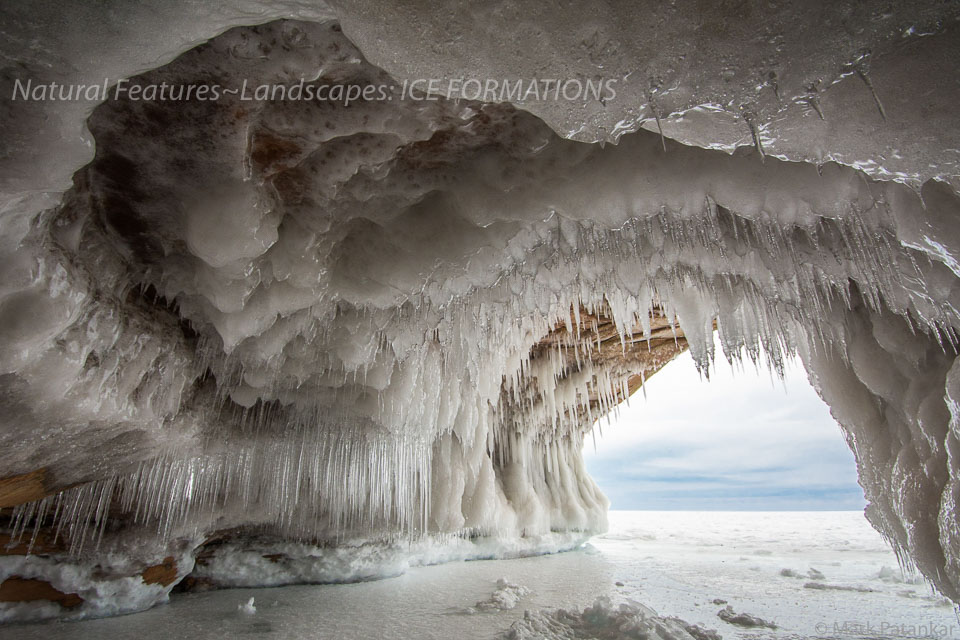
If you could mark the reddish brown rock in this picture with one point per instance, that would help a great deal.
(25, 487)
(43, 543)
(595, 338)
(163, 574)
(17, 589)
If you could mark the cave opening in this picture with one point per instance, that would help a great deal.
(740, 489)
(743, 438)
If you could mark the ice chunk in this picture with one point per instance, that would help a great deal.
(248, 607)
(729, 616)
(506, 596)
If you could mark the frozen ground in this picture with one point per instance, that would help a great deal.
(763, 564)
(678, 563)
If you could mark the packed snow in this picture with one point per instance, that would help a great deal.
(601, 620)
(506, 596)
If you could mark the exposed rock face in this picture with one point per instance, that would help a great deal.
(588, 343)
(164, 573)
(306, 322)
(17, 589)
(22, 488)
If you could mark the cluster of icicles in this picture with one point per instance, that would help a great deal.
(334, 339)
(321, 477)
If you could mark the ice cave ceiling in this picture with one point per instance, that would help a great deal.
(240, 323)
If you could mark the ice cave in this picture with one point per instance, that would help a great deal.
(249, 338)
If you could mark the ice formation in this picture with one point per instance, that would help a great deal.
(507, 595)
(277, 322)
(248, 607)
(728, 615)
(604, 620)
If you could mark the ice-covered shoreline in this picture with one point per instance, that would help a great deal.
(256, 563)
(682, 565)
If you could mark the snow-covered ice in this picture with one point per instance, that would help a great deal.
(677, 571)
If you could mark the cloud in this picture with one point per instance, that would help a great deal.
(743, 440)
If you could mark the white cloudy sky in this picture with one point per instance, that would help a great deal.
(742, 441)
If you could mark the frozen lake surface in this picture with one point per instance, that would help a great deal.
(814, 574)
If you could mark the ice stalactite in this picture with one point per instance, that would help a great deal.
(292, 329)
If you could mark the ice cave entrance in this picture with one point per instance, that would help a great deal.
(744, 440)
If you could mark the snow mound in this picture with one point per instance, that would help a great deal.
(604, 621)
(269, 563)
(506, 596)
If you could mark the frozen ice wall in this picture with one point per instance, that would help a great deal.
(296, 330)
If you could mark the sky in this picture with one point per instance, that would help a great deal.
(743, 440)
